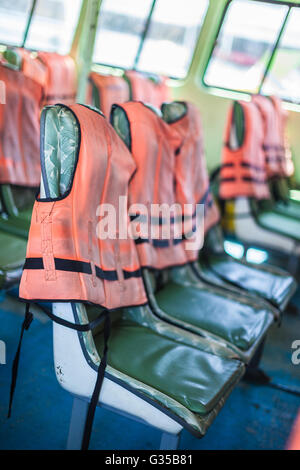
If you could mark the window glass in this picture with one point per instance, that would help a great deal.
(53, 25)
(120, 27)
(170, 40)
(172, 35)
(244, 45)
(283, 78)
(13, 20)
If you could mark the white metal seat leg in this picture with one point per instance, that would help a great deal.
(169, 441)
(77, 423)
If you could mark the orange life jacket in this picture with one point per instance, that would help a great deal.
(61, 81)
(32, 67)
(192, 180)
(243, 171)
(145, 90)
(274, 150)
(162, 91)
(153, 146)
(65, 259)
(282, 117)
(19, 129)
(111, 89)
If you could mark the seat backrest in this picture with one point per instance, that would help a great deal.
(76, 251)
(61, 81)
(30, 65)
(105, 90)
(153, 145)
(19, 128)
(191, 175)
(243, 168)
(147, 90)
(56, 73)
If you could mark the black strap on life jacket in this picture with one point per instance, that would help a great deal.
(95, 397)
(25, 325)
(101, 369)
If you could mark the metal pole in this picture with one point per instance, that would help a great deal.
(144, 34)
(33, 5)
(274, 50)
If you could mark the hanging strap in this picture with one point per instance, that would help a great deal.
(100, 376)
(25, 325)
(95, 397)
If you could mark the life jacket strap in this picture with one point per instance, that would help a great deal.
(80, 267)
(101, 370)
(96, 393)
(25, 325)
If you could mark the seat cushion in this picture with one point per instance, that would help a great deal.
(16, 226)
(290, 209)
(271, 283)
(239, 323)
(194, 378)
(280, 223)
(25, 214)
(12, 252)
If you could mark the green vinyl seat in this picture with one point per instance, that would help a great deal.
(194, 378)
(281, 202)
(289, 208)
(279, 223)
(269, 282)
(263, 281)
(240, 323)
(12, 256)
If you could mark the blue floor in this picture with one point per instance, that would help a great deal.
(254, 417)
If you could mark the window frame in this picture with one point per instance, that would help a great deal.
(26, 29)
(30, 16)
(273, 51)
(143, 37)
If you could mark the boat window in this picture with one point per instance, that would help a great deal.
(283, 78)
(13, 21)
(152, 36)
(51, 27)
(245, 45)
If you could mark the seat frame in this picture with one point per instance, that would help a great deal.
(80, 406)
(249, 231)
